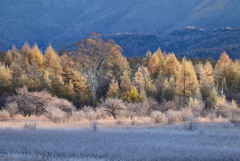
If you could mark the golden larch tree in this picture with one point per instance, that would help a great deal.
(113, 90)
(37, 56)
(187, 82)
(171, 66)
(5, 78)
(155, 64)
(221, 69)
(51, 61)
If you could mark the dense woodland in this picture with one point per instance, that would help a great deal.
(97, 73)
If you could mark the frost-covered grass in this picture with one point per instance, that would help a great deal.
(217, 141)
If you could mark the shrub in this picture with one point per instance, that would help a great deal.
(77, 115)
(55, 114)
(224, 108)
(30, 102)
(167, 105)
(4, 115)
(196, 106)
(113, 107)
(141, 109)
(100, 113)
(63, 105)
(158, 117)
(12, 108)
(185, 115)
(148, 106)
(89, 113)
(132, 110)
(30, 125)
(173, 116)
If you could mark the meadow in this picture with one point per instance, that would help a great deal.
(38, 139)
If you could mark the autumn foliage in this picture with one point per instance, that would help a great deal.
(33, 82)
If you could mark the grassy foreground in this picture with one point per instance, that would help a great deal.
(111, 140)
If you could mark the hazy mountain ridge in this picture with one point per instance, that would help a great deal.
(190, 42)
(62, 22)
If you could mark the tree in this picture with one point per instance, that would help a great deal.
(113, 106)
(31, 102)
(171, 66)
(5, 78)
(92, 55)
(51, 61)
(206, 79)
(126, 83)
(132, 95)
(169, 90)
(143, 81)
(231, 74)
(27, 52)
(147, 58)
(113, 91)
(8, 58)
(187, 82)
(34, 74)
(221, 68)
(155, 64)
(37, 56)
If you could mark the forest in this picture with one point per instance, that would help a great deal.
(97, 77)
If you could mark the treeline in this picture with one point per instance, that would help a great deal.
(97, 70)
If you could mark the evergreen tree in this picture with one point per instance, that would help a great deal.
(113, 91)
(126, 83)
(187, 82)
(171, 66)
(37, 56)
(5, 79)
(143, 81)
(155, 64)
(132, 95)
(221, 69)
(51, 61)
(8, 58)
(147, 58)
(169, 90)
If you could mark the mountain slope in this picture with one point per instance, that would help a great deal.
(62, 22)
(190, 42)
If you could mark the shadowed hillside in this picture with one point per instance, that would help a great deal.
(62, 22)
(190, 42)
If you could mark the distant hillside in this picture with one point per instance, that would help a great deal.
(62, 22)
(190, 42)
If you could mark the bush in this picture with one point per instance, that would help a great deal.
(141, 109)
(90, 114)
(4, 115)
(113, 107)
(12, 108)
(167, 105)
(185, 115)
(226, 109)
(30, 102)
(196, 106)
(132, 110)
(63, 105)
(173, 116)
(30, 126)
(147, 106)
(158, 117)
(55, 114)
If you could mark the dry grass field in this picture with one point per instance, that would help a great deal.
(39, 139)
